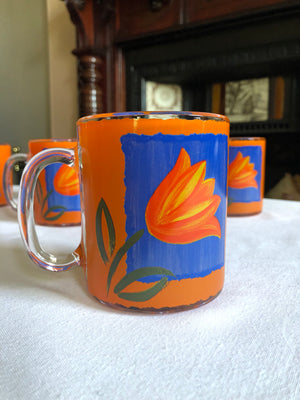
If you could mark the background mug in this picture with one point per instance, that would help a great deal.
(57, 197)
(5, 152)
(153, 199)
(246, 175)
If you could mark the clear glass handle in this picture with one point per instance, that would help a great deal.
(7, 178)
(30, 175)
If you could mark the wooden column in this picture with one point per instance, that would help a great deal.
(90, 84)
(92, 19)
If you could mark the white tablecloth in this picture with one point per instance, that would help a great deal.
(58, 342)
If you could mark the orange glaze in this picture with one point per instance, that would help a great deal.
(42, 211)
(239, 208)
(5, 151)
(102, 176)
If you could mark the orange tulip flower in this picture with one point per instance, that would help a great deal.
(66, 181)
(241, 173)
(182, 208)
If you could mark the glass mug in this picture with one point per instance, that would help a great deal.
(5, 152)
(57, 195)
(246, 175)
(154, 203)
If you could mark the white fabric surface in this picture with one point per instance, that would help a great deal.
(58, 342)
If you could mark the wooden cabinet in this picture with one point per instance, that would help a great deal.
(208, 10)
(144, 17)
(196, 43)
(134, 18)
(107, 29)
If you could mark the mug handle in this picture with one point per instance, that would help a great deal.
(30, 175)
(7, 173)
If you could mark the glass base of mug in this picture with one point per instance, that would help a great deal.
(164, 310)
(54, 225)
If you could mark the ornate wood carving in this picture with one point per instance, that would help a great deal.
(90, 80)
(194, 43)
(90, 18)
(256, 48)
(269, 54)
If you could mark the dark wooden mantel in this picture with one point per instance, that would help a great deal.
(107, 28)
(123, 43)
(94, 22)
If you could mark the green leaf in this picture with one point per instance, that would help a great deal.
(103, 209)
(121, 252)
(140, 273)
(230, 200)
(58, 209)
(145, 294)
(46, 198)
(39, 191)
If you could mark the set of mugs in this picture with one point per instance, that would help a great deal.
(57, 194)
(152, 191)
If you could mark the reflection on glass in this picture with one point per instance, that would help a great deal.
(163, 97)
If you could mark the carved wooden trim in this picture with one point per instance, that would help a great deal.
(268, 54)
(90, 79)
(91, 51)
(75, 10)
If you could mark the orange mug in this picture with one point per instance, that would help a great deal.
(246, 175)
(5, 151)
(154, 204)
(57, 197)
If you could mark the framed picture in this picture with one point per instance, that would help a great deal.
(163, 97)
(251, 100)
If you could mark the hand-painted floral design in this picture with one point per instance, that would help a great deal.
(108, 255)
(66, 181)
(182, 208)
(49, 214)
(241, 173)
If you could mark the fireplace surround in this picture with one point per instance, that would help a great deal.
(123, 44)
